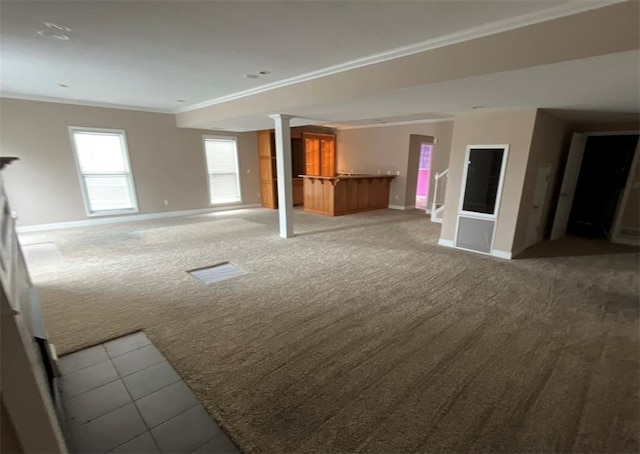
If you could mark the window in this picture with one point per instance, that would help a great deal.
(484, 168)
(105, 172)
(222, 168)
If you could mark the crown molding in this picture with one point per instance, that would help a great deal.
(492, 28)
(396, 123)
(78, 102)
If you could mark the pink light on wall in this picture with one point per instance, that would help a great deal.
(424, 172)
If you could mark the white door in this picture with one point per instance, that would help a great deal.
(535, 230)
(569, 181)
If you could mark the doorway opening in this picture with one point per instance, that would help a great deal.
(603, 174)
(593, 190)
(424, 175)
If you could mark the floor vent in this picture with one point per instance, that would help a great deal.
(216, 273)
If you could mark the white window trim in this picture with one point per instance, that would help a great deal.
(471, 214)
(206, 163)
(503, 169)
(85, 194)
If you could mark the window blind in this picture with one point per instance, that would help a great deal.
(104, 169)
(222, 169)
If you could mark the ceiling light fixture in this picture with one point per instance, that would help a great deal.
(180, 100)
(477, 107)
(250, 76)
(264, 72)
(53, 35)
(63, 85)
(60, 28)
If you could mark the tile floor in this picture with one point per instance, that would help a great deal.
(124, 397)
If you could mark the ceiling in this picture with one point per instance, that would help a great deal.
(147, 55)
(596, 89)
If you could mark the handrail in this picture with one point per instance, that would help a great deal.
(437, 189)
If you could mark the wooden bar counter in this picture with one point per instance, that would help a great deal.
(346, 194)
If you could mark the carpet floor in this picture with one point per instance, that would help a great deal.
(361, 334)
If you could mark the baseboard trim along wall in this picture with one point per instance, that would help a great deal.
(502, 254)
(134, 217)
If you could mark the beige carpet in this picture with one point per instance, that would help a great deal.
(363, 335)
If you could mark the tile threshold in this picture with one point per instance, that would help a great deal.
(105, 431)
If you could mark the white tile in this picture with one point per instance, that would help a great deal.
(137, 360)
(186, 432)
(81, 359)
(97, 402)
(150, 379)
(142, 444)
(219, 445)
(108, 431)
(126, 344)
(88, 378)
(166, 403)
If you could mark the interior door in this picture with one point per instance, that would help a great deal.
(535, 231)
(569, 181)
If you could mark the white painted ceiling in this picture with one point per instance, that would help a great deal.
(148, 54)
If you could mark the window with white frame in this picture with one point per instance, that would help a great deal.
(105, 171)
(222, 169)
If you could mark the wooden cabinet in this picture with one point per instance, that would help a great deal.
(267, 157)
(312, 153)
(298, 192)
(320, 154)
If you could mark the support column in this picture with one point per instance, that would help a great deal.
(283, 171)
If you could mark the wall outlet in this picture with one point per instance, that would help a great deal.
(396, 197)
(248, 170)
(259, 195)
(388, 172)
(397, 172)
(166, 202)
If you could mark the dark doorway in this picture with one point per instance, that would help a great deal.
(603, 176)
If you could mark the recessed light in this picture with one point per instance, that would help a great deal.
(264, 72)
(63, 85)
(60, 28)
(180, 100)
(53, 35)
(250, 76)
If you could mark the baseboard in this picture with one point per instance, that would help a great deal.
(502, 254)
(627, 241)
(446, 243)
(520, 250)
(134, 217)
(397, 207)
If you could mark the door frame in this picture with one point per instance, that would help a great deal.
(614, 237)
(562, 217)
(625, 195)
(429, 186)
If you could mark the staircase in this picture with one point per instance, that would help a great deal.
(439, 191)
